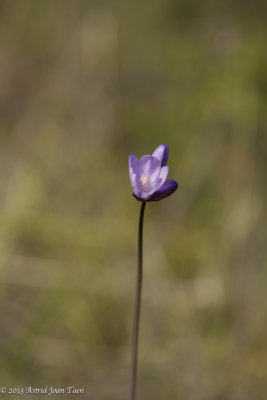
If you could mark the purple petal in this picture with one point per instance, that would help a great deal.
(138, 197)
(150, 166)
(161, 179)
(141, 196)
(161, 153)
(163, 174)
(145, 191)
(133, 169)
(165, 190)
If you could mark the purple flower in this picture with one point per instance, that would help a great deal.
(148, 175)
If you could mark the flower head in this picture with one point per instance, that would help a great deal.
(148, 175)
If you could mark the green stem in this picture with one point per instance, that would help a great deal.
(137, 304)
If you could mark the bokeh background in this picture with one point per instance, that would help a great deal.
(82, 85)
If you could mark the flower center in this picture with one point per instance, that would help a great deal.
(145, 180)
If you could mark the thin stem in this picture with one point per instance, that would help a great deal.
(137, 304)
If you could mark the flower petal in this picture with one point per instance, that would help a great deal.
(133, 169)
(161, 153)
(162, 176)
(150, 166)
(165, 190)
(141, 196)
(147, 192)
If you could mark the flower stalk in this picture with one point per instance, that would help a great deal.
(137, 306)
(148, 177)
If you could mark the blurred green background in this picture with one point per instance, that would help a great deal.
(83, 85)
